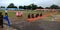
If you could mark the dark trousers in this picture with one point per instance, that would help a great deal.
(1, 23)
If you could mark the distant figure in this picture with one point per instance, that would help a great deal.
(1, 20)
(37, 15)
(29, 16)
(19, 14)
(32, 15)
(40, 14)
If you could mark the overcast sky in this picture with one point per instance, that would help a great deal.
(43, 3)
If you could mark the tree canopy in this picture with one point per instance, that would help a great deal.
(2, 7)
(47, 7)
(40, 7)
(54, 7)
(11, 6)
(21, 7)
(32, 6)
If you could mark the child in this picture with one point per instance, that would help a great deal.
(32, 15)
(37, 15)
(40, 14)
(29, 16)
(7, 19)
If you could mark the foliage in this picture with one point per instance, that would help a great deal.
(11, 6)
(2, 7)
(54, 7)
(21, 7)
(40, 7)
(32, 7)
(47, 7)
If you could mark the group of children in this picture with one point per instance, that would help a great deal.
(5, 18)
(32, 15)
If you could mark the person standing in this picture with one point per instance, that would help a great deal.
(37, 15)
(1, 20)
(32, 15)
(6, 17)
(40, 14)
(29, 15)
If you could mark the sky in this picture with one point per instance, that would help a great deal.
(43, 3)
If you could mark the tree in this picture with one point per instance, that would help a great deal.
(40, 7)
(2, 7)
(33, 6)
(59, 7)
(24, 7)
(11, 6)
(29, 7)
(21, 7)
(54, 7)
(47, 8)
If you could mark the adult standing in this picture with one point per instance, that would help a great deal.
(1, 20)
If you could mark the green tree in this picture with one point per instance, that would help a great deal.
(24, 7)
(33, 6)
(59, 7)
(28, 7)
(40, 7)
(54, 7)
(2, 7)
(47, 7)
(11, 6)
(21, 7)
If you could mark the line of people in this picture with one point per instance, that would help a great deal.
(34, 16)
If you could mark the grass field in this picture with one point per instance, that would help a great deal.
(26, 12)
(12, 14)
(17, 20)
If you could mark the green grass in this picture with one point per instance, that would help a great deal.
(26, 12)
(11, 14)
